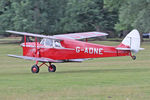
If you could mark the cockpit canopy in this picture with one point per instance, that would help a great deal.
(50, 43)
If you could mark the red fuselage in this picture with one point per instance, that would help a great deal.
(72, 49)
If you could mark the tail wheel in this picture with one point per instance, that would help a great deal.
(133, 57)
(35, 69)
(52, 68)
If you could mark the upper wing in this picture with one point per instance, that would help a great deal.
(31, 34)
(37, 59)
(81, 35)
(60, 37)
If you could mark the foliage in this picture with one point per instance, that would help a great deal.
(62, 16)
(31, 16)
(87, 15)
(56, 16)
(7, 13)
(135, 14)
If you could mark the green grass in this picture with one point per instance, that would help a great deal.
(117, 78)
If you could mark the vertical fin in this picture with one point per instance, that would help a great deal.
(132, 41)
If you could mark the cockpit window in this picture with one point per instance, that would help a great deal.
(50, 43)
(57, 44)
(42, 42)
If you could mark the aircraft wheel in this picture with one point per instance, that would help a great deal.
(52, 68)
(35, 69)
(133, 57)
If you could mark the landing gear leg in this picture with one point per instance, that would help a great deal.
(35, 68)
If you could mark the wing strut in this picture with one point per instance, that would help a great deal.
(25, 40)
(36, 49)
(86, 39)
(37, 53)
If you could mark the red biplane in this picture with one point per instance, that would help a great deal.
(67, 48)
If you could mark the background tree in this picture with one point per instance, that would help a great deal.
(134, 14)
(63, 16)
(6, 14)
(87, 15)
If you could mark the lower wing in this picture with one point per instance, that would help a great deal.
(37, 59)
(46, 59)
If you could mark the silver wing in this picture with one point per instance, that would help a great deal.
(59, 37)
(31, 34)
(37, 59)
(47, 59)
(81, 35)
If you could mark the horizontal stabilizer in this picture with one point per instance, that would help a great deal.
(37, 59)
(128, 49)
(123, 48)
(141, 49)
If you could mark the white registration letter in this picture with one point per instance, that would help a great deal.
(95, 50)
(86, 50)
(77, 49)
(100, 51)
(90, 50)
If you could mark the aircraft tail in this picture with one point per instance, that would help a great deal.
(131, 42)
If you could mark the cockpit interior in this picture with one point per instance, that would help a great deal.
(50, 43)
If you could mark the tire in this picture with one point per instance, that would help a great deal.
(134, 57)
(35, 69)
(52, 68)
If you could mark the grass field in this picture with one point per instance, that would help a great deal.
(117, 78)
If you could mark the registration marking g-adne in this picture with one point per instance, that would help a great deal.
(89, 50)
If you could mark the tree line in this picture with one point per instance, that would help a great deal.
(65, 16)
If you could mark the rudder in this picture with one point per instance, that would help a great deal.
(131, 42)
